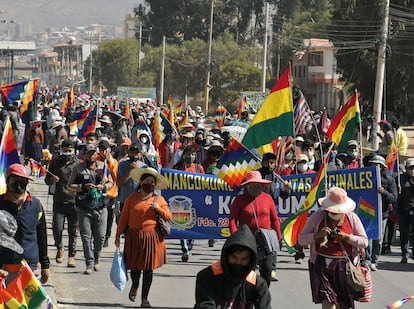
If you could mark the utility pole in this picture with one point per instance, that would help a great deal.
(379, 81)
(162, 72)
(264, 62)
(210, 39)
(90, 66)
(139, 47)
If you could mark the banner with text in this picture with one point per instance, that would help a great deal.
(200, 203)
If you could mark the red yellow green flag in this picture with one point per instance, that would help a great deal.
(274, 118)
(391, 159)
(294, 224)
(344, 124)
(24, 291)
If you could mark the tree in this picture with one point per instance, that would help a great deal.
(115, 63)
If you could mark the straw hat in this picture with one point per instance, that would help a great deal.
(337, 201)
(137, 172)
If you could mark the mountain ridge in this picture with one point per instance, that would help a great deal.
(56, 14)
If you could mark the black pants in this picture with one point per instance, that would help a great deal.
(110, 218)
(265, 267)
(60, 212)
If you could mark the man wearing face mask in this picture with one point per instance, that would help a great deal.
(405, 208)
(64, 204)
(187, 163)
(232, 282)
(166, 150)
(90, 184)
(388, 192)
(29, 214)
(352, 158)
(256, 209)
(214, 152)
(309, 150)
(302, 167)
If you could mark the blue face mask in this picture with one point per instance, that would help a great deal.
(333, 156)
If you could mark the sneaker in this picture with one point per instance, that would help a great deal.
(71, 262)
(374, 267)
(145, 304)
(60, 255)
(106, 244)
(185, 257)
(97, 265)
(273, 276)
(299, 261)
(88, 270)
(404, 260)
(211, 242)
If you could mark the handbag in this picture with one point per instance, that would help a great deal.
(163, 225)
(365, 295)
(354, 276)
(266, 239)
(118, 273)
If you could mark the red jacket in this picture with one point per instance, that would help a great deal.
(241, 212)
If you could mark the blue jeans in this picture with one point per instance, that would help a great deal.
(186, 245)
(405, 222)
(92, 226)
(374, 247)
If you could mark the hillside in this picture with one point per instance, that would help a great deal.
(43, 14)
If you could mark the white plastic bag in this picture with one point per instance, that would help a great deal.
(118, 272)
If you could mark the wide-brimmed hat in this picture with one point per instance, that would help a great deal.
(377, 159)
(337, 201)
(105, 119)
(18, 170)
(137, 172)
(215, 143)
(8, 228)
(255, 177)
(56, 124)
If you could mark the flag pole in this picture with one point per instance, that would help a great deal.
(361, 157)
(397, 162)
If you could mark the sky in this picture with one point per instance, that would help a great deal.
(42, 14)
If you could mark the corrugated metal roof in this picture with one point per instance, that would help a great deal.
(14, 45)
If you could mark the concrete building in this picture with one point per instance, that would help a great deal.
(314, 70)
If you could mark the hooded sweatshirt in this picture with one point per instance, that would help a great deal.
(216, 286)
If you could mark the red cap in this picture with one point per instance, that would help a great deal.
(126, 141)
(383, 121)
(18, 170)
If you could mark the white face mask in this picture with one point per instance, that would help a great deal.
(303, 167)
(335, 217)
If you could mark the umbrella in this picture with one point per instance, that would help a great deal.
(115, 117)
(84, 96)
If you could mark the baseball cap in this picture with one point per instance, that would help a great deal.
(126, 141)
(409, 162)
(18, 170)
(352, 142)
(136, 146)
(104, 144)
(8, 228)
(68, 143)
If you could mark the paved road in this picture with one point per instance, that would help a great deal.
(173, 285)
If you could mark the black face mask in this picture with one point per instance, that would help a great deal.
(148, 187)
(254, 190)
(215, 153)
(189, 159)
(238, 271)
(199, 141)
(18, 187)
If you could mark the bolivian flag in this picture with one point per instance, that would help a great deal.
(294, 224)
(24, 291)
(274, 118)
(344, 123)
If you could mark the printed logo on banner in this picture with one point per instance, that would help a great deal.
(183, 214)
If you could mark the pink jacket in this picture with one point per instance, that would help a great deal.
(358, 239)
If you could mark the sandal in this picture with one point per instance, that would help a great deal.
(145, 304)
(132, 293)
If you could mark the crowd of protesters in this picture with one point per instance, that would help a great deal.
(90, 177)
